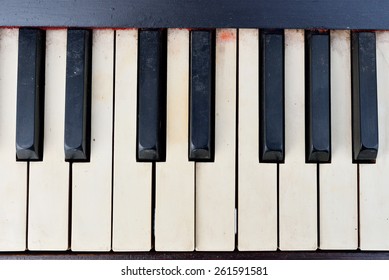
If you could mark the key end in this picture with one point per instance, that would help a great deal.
(76, 154)
(319, 157)
(268, 155)
(200, 155)
(28, 153)
(148, 155)
(366, 155)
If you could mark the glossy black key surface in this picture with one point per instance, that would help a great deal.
(202, 96)
(317, 97)
(271, 97)
(364, 97)
(151, 126)
(30, 94)
(78, 91)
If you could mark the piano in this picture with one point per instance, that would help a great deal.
(199, 129)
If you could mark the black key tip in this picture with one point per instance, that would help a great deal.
(366, 155)
(317, 156)
(75, 154)
(27, 153)
(148, 155)
(271, 156)
(200, 155)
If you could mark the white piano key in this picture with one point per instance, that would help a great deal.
(174, 204)
(91, 186)
(338, 180)
(49, 179)
(257, 191)
(13, 186)
(297, 180)
(215, 182)
(374, 178)
(132, 180)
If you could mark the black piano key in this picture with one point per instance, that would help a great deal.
(78, 92)
(364, 97)
(271, 97)
(202, 96)
(30, 94)
(151, 126)
(317, 97)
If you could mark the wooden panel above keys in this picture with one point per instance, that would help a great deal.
(283, 14)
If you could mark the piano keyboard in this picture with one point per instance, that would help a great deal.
(183, 140)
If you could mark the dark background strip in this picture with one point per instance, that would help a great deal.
(236, 255)
(306, 14)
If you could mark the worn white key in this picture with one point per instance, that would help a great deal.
(374, 178)
(297, 180)
(132, 180)
(257, 192)
(338, 180)
(49, 179)
(215, 182)
(13, 186)
(91, 186)
(174, 204)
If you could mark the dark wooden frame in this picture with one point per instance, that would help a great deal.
(235, 255)
(306, 14)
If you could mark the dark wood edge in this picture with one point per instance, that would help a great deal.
(236, 255)
(306, 14)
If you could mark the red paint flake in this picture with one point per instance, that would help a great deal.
(322, 31)
(54, 28)
(227, 36)
(9, 27)
(319, 30)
